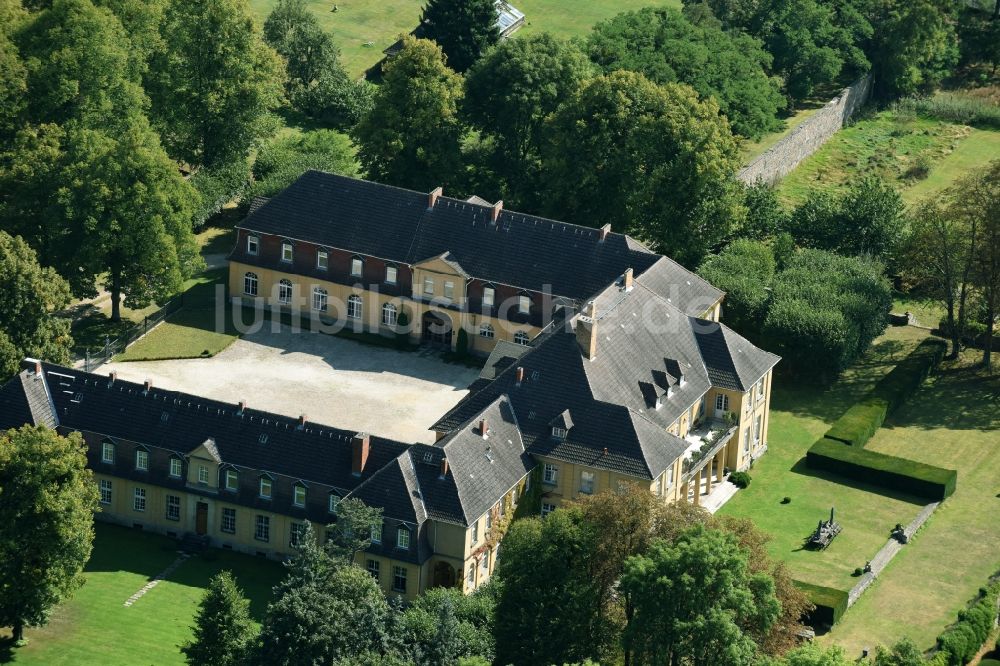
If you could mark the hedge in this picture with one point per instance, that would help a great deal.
(860, 422)
(831, 603)
(903, 380)
(900, 474)
(961, 641)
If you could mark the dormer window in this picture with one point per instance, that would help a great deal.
(521, 338)
(142, 460)
(403, 538)
(524, 304)
(253, 245)
(322, 260)
(176, 467)
(390, 274)
(429, 286)
(376, 533)
(449, 289)
(558, 433)
(357, 266)
(299, 495)
(232, 480)
(265, 487)
(202, 474)
(108, 453)
(334, 502)
(286, 251)
(489, 294)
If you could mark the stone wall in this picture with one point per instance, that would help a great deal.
(806, 139)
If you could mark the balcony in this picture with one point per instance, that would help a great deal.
(704, 442)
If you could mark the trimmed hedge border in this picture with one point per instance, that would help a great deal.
(960, 642)
(831, 603)
(909, 476)
(860, 422)
(902, 381)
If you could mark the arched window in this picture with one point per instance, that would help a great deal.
(319, 299)
(285, 291)
(389, 314)
(357, 266)
(521, 338)
(354, 307)
(486, 331)
(250, 284)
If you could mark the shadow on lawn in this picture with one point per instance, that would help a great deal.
(958, 398)
(802, 468)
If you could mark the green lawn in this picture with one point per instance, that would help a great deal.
(928, 311)
(357, 23)
(953, 421)
(94, 627)
(895, 146)
(799, 415)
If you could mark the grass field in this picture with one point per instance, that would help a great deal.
(94, 626)
(358, 23)
(799, 415)
(917, 154)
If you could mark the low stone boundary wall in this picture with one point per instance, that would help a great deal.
(806, 139)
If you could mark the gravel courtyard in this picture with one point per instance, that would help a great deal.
(333, 381)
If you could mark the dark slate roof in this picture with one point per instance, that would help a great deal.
(503, 355)
(648, 353)
(683, 289)
(24, 399)
(182, 422)
(396, 490)
(522, 250)
(256, 203)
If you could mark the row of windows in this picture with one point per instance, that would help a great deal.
(322, 259)
(550, 475)
(398, 575)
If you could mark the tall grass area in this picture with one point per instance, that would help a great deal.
(956, 107)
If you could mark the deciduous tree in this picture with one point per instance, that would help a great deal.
(979, 196)
(411, 137)
(47, 503)
(351, 533)
(29, 297)
(665, 47)
(215, 83)
(745, 271)
(464, 29)
(614, 148)
(224, 631)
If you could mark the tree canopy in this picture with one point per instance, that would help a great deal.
(745, 271)
(47, 500)
(464, 29)
(621, 141)
(215, 83)
(664, 46)
(411, 138)
(224, 631)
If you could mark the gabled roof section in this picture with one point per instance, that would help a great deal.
(394, 488)
(732, 361)
(449, 260)
(211, 451)
(504, 355)
(25, 400)
(680, 287)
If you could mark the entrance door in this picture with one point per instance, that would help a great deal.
(201, 519)
(721, 405)
(436, 330)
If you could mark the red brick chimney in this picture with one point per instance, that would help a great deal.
(444, 468)
(497, 207)
(38, 368)
(484, 428)
(605, 230)
(519, 375)
(627, 280)
(359, 449)
(432, 197)
(586, 332)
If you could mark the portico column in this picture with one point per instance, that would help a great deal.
(708, 476)
(720, 464)
(697, 487)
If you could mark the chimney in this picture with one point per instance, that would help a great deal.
(627, 280)
(519, 375)
(586, 332)
(112, 377)
(432, 197)
(243, 406)
(359, 445)
(484, 428)
(444, 468)
(38, 368)
(497, 207)
(302, 421)
(605, 450)
(149, 386)
(605, 230)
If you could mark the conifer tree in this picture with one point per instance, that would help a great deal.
(464, 29)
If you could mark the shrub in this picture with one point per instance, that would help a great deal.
(858, 571)
(744, 270)
(897, 473)
(956, 107)
(860, 422)
(462, 343)
(831, 603)
(786, 500)
(962, 640)
(740, 479)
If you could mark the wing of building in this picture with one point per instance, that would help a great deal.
(606, 365)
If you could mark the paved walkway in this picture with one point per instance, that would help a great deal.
(153, 583)
(721, 493)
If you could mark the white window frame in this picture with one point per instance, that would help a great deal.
(389, 314)
(299, 492)
(402, 538)
(287, 252)
(284, 291)
(760, 389)
(746, 440)
(391, 274)
(357, 266)
(522, 338)
(142, 460)
(374, 569)
(295, 533)
(202, 474)
(108, 453)
(399, 573)
(228, 519)
(319, 299)
(106, 489)
(758, 427)
(587, 482)
(262, 528)
(559, 433)
(333, 503)
(176, 467)
(489, 296)
(547, 508)
(173, 502)
(355, 306)
(670, 476)
(449, 290)
(550, 474)
(487, 331)
(265, 482)
(471, 576)
(376, 533)
(429, 286)
(474, 532)
(722, 402)
(235, 476)
(253, 245)
(138, 499)
(523, 303)
(250, 283)
(322, 260)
